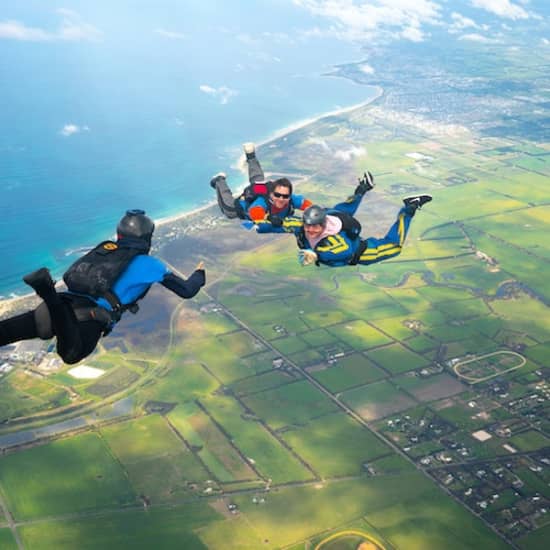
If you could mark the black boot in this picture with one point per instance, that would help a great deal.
(219, 176)
(415, 203)
(42, 282)
(366, 183)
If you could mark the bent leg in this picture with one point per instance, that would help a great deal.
(350, 205)
(20, 327)
(390, 246)
(226, 202)
(72, 351)
(75, 339)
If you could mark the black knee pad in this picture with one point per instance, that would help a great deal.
(43, 322)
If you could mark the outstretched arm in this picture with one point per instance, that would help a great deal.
(185, 288)
(290, 224)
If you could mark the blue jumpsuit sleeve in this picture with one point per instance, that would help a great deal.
(291, 224)
(297, 201)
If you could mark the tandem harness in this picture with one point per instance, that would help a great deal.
(253, 191)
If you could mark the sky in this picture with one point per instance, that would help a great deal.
(184, 39)
(77, 21)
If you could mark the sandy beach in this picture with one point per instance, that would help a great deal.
(12, 304)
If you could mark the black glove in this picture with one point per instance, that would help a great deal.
(276, 221)
(366, 183)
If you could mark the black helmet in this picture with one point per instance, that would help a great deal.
(315, 215)
(136, 225)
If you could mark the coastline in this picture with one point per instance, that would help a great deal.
(10, 303)
(279, 134)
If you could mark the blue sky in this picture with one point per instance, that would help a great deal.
(289, 20)
(208, 44)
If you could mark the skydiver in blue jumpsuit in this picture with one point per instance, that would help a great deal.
(79, 319)
(329, 238)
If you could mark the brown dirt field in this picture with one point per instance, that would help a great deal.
(444, 386)
(373, 412)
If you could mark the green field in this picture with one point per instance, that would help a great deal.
(254, 384)
(221, 362)
(255, 442)
(22, 394)
(294, 403)
(182, 382)
(352, 370)
(529, 441)
(158, 463)
(65, 476)
(155, 528)
(316, 442)
(359, 335)
(7, 542)
(210, 444)
(397, 359)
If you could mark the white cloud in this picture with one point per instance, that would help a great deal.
(502, 8)
(17, 31)
(359, 19)
(348, 154)
(366, 68)
(173, 35)
(545, 41)
(223, 93)
(475, 37)
(461, 22)
(70, 129)
(72, 28)
(414, 34)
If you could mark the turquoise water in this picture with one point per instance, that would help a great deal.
(152, 117)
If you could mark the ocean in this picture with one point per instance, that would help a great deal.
(143, 116)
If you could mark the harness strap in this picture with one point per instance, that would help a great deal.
(118, 308)
(113, 300)
(360, 249)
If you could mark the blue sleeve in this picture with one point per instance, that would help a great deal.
(156, 269)
(297, 201)
(136, 280)
(291, 224)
